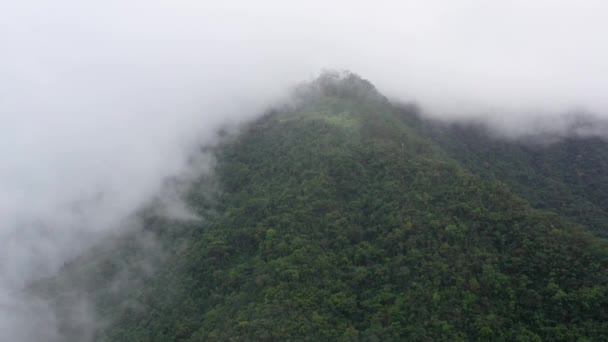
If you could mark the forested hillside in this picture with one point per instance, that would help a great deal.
(347, 218)
(567, 175)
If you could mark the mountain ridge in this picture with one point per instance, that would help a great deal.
(345, 218)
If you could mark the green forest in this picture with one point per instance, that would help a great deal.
(344, 217)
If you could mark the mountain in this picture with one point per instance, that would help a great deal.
(566, 175)
(347, 217)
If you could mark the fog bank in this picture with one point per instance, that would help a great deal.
(100, 102)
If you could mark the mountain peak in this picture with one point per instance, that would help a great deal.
(340, 84)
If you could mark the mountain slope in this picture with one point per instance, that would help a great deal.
(341, 220)
(567, 176)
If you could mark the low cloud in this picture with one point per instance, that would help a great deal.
(101, 102)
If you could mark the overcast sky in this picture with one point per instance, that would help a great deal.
(100, 101)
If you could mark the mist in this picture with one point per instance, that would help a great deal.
(101, 102)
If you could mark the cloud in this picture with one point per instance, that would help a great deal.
(102, 101)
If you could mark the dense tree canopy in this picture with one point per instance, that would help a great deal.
(567, 176)
(345, 219)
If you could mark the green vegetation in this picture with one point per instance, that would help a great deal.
(567, 176)
(340, 219)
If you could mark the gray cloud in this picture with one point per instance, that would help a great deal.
(101, 101)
